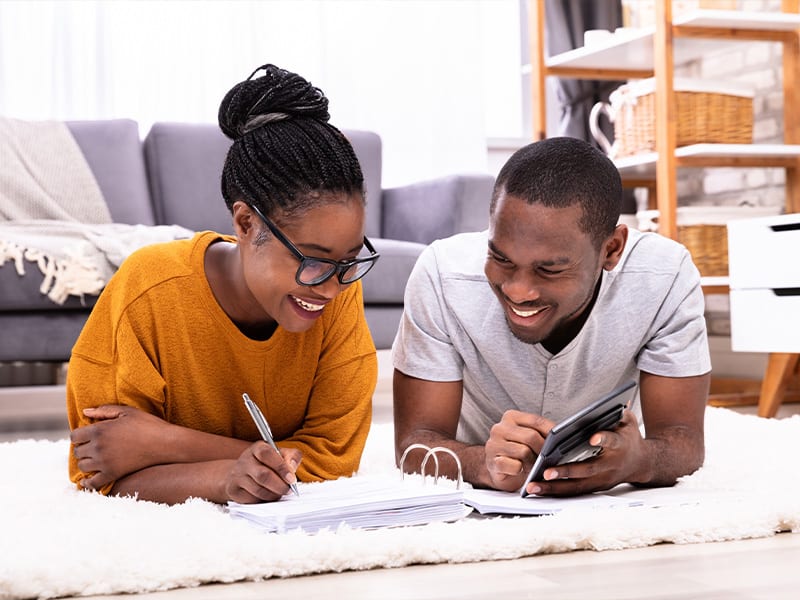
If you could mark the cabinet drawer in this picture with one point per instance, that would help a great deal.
(765, 320)
(763, 252)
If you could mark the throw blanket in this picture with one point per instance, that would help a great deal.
(44, 175)
(52, 212)
(76, 258)
(57, 541)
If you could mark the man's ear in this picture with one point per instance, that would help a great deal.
(614, 246)
(243, 220)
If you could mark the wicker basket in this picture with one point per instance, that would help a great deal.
(704, 232)
(707, 112)
(708, 245)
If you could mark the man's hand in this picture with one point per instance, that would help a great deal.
(512, 447)
(261, 474)
(121, 440)
(622, 451)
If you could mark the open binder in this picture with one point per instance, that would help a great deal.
(494, 502)
(369, 501)
(397, 500)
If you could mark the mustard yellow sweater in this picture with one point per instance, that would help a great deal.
(157, 340)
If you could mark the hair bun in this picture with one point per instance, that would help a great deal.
(276, 95)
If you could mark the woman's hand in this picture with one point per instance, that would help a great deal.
(261, 474)
(120, 441)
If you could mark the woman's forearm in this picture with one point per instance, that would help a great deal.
(176, 483)
(184, 445)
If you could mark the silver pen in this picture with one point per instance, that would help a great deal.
(263, 429)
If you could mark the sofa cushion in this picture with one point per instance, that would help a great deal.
(448, 205)
(21, 293)
(113, 150)
(368, 148)
(39, 336)
(184, 166)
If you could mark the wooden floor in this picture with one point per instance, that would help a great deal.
(766, 568)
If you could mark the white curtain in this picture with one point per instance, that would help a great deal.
(434, 78)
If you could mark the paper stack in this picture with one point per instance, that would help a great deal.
(358, 502)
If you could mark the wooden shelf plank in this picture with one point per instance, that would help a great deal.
(739, 19)
(627, 52)
(643, 166)
(631, 52)
(715, 282)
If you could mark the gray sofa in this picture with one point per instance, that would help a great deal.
(172, 177)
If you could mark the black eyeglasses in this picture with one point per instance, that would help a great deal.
(315, 271)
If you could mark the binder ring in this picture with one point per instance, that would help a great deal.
(431, 453)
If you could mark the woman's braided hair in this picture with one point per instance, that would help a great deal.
(285, 157)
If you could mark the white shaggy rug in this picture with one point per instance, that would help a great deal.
(56, 541)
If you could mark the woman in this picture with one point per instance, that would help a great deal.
(184, 329)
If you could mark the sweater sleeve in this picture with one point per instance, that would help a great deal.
(110, 366)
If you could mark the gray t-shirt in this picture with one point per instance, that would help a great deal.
(648, 317)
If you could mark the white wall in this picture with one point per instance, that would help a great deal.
(434, 77)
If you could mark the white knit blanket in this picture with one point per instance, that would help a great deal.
(57, 541)
(44, 175)
(76, 258)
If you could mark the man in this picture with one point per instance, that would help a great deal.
(508, 331)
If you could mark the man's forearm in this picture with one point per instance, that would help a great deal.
(675, 452)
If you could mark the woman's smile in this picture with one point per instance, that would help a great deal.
(306, 309)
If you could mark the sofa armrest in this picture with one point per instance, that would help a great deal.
(430, 210)
(385, 286)
(386, 282)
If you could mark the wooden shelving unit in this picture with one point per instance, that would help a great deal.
(655, 52)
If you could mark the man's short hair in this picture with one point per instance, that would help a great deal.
(560, 172)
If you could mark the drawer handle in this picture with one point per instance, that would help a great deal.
(785, 227)
(793, 291)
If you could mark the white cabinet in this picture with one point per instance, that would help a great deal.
(764, 268)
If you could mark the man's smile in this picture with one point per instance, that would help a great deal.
(525, 313)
